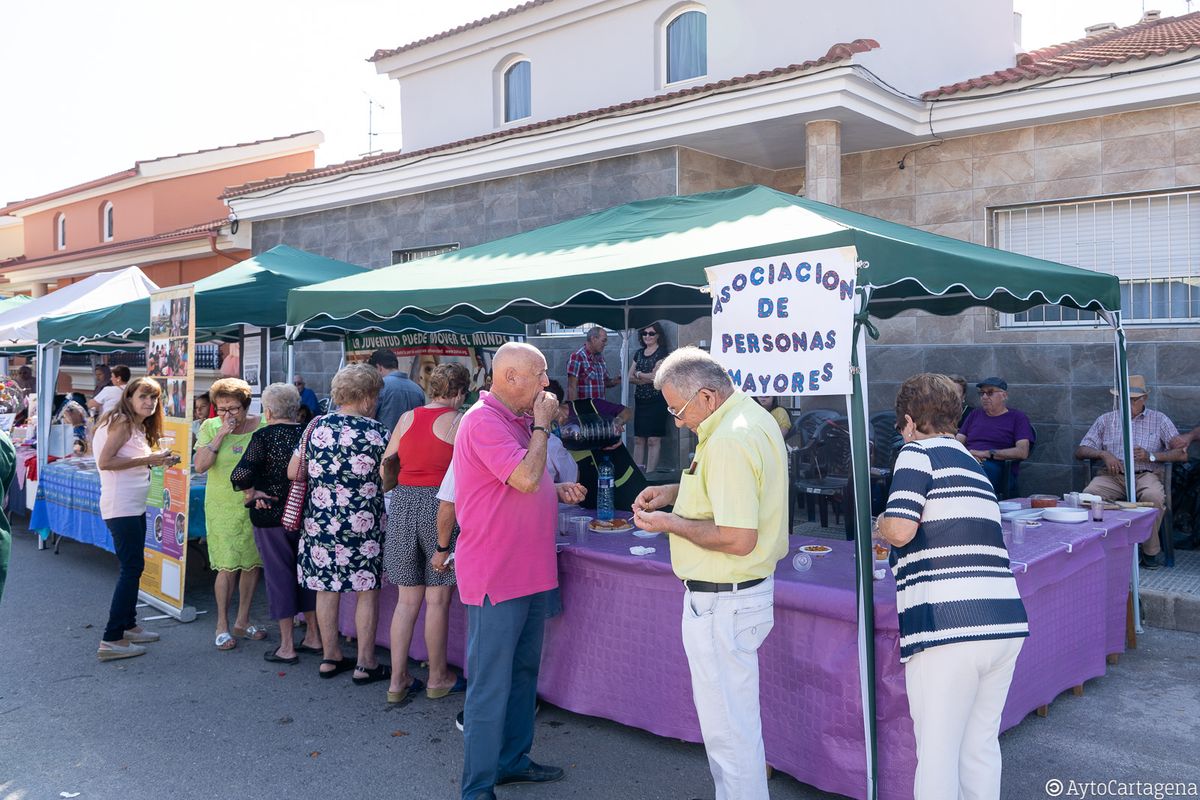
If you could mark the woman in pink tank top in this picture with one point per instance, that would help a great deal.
(423, 442)
(123, 441)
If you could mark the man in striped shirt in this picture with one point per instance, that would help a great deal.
(962, 621)
(1152, 446)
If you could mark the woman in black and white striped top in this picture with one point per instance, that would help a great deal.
(962, 621)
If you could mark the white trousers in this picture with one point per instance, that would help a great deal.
(956, 693)
(722, 632)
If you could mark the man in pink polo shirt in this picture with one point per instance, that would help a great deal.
(507, 507)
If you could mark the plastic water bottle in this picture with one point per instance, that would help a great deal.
(604, 489)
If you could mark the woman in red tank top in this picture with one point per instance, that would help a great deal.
(424, 443)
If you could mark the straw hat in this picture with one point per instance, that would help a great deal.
(1137, 387)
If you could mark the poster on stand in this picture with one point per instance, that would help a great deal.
(419, 352)
(256, 365)
(170, 361)
(783, 325)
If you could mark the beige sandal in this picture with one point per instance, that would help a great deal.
(251, 632)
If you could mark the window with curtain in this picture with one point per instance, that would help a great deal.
(1151, 242)
(517, 103)
(687, 46)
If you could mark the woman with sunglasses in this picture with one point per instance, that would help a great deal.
(231, 549)
(650, 409)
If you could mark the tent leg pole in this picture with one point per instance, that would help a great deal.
(865, 559)
(625, 371)
(1122, 370)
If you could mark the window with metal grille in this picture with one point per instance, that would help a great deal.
(1151, 242)
(413, 253)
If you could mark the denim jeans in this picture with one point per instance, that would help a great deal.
(129, 540)
(504, 652)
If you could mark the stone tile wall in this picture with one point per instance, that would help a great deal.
(1060, 377)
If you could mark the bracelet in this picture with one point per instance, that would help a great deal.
(541, 428)
(441, 549)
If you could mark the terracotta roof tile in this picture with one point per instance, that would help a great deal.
(197, 231)
(1156, 37)
(839, 52)
(382, 54)
(133, 171)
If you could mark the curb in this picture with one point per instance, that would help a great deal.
(1171, 610)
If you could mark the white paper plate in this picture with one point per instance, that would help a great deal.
(641, 534)
(1009, 505)
(1024, 513)
(1066, 515)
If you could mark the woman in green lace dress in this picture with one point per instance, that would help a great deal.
(231, 549)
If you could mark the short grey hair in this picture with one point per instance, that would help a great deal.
(690, 369)
(281, 401)
(594, 333)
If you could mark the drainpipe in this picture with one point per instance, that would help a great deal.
(212, 245)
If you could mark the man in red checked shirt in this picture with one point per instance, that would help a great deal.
(587, 374)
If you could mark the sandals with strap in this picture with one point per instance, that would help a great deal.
(224, 641)
(338, 667)
(380, 672)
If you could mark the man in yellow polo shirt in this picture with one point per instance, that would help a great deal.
(727, 531)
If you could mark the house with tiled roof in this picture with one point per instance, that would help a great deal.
(1085, 152)
(163, 215)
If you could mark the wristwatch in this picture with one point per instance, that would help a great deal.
(441, 549)
(1153, 458)
(991, 455)
(541, 428)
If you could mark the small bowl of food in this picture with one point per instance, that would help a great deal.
(1043, 501)
(816, 550)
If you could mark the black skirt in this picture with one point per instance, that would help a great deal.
(650, 416)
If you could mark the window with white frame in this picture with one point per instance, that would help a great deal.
(516, 88)
(686, 47)
(106, 222)
(60, 232)
(1151, 242)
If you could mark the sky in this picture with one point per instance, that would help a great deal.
(92, 87)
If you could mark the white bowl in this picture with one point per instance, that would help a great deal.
(1009, 505)
(1070, 515)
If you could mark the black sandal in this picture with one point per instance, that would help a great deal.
(380, 672)
(338, 667)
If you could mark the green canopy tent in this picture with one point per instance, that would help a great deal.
(251, 292)
(645, 261)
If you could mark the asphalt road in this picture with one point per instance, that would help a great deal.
(186, 721)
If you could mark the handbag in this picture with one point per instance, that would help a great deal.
(293, 507)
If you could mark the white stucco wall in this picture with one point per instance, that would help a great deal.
(588, 54)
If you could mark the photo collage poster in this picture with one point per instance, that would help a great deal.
(170, 359)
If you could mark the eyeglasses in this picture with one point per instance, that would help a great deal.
(679, 414)
(649, 333)
(989, 392)
(229, 410)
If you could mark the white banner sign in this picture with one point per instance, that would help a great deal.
(783, 325)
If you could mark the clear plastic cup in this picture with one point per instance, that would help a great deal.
(802, 562)
(1018, 534)
(579, 529)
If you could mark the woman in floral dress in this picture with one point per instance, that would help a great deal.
(343, 529)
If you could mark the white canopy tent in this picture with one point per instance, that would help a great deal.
(18, 328)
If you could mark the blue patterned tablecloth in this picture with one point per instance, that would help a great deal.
(68, 503)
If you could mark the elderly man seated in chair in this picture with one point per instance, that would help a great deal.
(1152, 446)
(995, 433)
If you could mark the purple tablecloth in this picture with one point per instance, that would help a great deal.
(616, 651)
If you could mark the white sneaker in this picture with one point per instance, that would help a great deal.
(110, 651)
